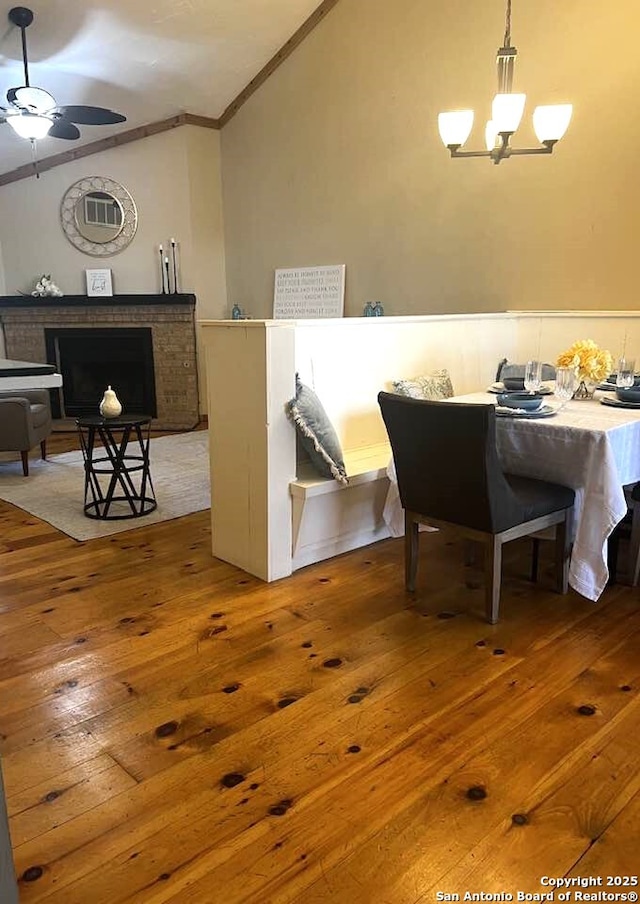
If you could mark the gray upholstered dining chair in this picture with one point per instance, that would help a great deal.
(508, 370)
(449, 474)
(629, 531)
(25, 421)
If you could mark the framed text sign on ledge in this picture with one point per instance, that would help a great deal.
(309, 292)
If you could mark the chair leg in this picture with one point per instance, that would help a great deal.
(25, 463)
(634, 547)
(492, 577)
(535, 557)
(43, 449)
(563, 552)
(410, 551)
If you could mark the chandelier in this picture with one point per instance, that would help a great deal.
(549, 122)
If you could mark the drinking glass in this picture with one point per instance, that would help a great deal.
(533, 376)
(565, 384)
(626, 373)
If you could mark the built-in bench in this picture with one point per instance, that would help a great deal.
(329, 518)
(270, 514)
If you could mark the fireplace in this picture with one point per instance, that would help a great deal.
(152, 365)
(91, 359)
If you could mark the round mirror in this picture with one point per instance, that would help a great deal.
(98, 216)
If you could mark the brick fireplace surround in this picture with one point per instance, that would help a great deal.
(171, 319)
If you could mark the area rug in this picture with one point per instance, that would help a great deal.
(54, 490)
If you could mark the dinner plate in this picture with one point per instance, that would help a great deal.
(616, 403)
(499, 387)
(543, 411)
(606, 386)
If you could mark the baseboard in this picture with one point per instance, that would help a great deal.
(327, 549)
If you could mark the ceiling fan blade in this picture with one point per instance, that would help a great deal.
(62, 129)
(90, 116)
(36, 100)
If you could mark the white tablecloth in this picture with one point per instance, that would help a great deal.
(592, 448)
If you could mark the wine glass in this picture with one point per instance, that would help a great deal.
(565, 384)
(626, 373)
(533, 376)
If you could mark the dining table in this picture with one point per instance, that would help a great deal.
(593, 448)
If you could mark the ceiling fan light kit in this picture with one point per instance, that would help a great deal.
(33, 113)
(550, 122)
(30, 125)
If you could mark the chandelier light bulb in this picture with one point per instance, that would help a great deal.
(455, 127)
(552, 121)
(30, 125)
(490, 135)
(507, 110)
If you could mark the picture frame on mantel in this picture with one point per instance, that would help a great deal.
(99, 283)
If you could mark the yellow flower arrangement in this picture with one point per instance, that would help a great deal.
(590, 362)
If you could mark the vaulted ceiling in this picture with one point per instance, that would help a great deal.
(147, 59)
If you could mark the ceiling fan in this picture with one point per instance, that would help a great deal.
(34, 113)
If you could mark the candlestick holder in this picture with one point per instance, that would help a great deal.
(165, 287)
(175, 268)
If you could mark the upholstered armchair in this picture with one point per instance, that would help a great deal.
(25, 421)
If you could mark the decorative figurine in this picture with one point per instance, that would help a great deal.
(110, 405)
(46, 288)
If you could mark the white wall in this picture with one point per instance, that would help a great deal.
(347, 362)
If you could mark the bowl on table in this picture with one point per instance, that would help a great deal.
(513, 384)
(521, 401)
(632, 394)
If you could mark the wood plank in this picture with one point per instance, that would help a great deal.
(353, 717)
(564, 817)
(388, 792)
(525, 775)
(305, 756)
(615, 851)
(64, 796)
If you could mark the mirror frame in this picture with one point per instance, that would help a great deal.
(69, 223)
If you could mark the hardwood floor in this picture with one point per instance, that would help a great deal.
(174, 730)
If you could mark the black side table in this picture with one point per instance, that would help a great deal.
(117, 478)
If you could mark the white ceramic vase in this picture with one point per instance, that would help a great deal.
(110, 406)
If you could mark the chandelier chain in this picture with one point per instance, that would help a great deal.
(507, 29)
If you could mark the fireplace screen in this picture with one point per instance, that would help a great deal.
(92, 359)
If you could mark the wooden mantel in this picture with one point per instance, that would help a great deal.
(72, 301)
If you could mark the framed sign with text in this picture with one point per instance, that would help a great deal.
(309, 292)
(99, 282)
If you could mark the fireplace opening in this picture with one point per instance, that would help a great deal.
(92, 359)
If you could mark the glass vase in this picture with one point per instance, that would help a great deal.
(585, 390)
